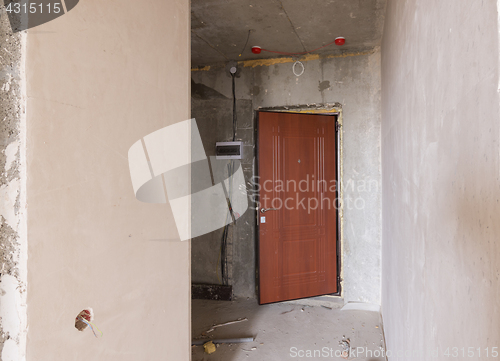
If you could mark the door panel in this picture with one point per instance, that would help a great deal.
(298, 237)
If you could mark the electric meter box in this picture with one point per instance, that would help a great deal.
(228, 150)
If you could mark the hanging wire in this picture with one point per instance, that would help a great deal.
(90, 324)
(234, 108)
(230, 166)
(223, 260)
(246, 43)
(217, 265)
(219, 259)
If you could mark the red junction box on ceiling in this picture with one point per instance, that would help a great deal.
(256, 49)
(340, 40)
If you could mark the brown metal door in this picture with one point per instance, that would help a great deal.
(297, 213)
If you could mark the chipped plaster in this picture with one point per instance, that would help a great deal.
(13, 235)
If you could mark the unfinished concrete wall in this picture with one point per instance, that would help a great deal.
(214, 114)
(354, 82)
(441, 163)
(98, 79)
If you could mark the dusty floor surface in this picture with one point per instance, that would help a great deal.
(286, 331)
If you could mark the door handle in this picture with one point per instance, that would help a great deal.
(264, 210)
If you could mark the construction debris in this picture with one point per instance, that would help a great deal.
(252, 349)
(223, 340)
(346, 346)
(209, 347)
(225, 324)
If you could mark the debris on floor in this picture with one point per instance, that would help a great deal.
(224, 340)
(225, 324)
(209, 347)
(345, 344)
(282, 335)
(252, 349)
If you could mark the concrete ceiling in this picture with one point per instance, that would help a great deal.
(220, 28)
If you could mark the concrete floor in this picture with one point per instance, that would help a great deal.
(278, 328)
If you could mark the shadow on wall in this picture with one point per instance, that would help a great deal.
(474, 225)
(203, 92)
(455, 215)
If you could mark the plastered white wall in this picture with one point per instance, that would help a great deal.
(98, 79)
(440, 170)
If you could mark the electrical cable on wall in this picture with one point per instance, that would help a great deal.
(234, 107)
(257, 50)
(225, 233)
(338, 41)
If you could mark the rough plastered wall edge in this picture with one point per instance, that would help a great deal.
(498, 88)
(13, 225)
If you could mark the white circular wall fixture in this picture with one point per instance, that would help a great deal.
(295, 71)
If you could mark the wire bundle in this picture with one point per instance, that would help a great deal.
(301, 53)
(91, 325)
(230, 170)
